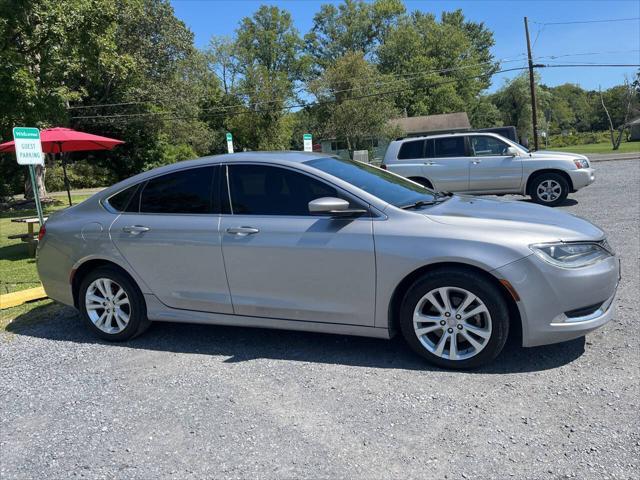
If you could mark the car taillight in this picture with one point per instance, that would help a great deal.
(383, 166)
(42, 232)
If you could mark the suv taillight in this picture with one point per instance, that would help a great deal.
(42, 232)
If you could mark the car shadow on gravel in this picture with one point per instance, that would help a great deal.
(240, 344)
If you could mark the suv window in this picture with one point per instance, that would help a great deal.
(268, 190)
(449, 147)
(410, 150)
(186, 191)
(482, 145)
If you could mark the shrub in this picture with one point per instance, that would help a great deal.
(578, 138)
(82, 174)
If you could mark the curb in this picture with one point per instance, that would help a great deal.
(18, 298)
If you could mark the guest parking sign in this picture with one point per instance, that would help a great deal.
(28, 146)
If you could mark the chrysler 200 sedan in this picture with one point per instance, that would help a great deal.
(302, 241)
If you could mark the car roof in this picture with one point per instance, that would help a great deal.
(291, 156)
(443, 135)
(282, 157)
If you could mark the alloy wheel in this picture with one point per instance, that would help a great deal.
(452, 323)
(549, 190)
(107, 305)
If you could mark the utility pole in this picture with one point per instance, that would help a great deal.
(532, 85)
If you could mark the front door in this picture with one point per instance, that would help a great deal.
(283, 262)
(171, 238)
(448, 168)
(492, 170)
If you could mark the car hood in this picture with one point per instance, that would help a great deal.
(528, 221)
(554, 154)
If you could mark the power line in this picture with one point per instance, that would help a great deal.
(247, 110)
(230, 107)
(509, 59)
(587, 21)
(590, 65)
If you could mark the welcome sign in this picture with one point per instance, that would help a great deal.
(28, 146)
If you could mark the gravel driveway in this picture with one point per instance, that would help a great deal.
(197, 401)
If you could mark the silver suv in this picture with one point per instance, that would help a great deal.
(486, 163)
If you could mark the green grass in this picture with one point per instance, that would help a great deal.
(625, 147)
(17, 268)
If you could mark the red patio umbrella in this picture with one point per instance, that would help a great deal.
(60, 140)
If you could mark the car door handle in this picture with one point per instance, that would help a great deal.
(242, 231)
(429, 163)
(135, 229)
(476, 162)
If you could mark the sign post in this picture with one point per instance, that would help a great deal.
(229, 142)
(29, 152)
(308, 144)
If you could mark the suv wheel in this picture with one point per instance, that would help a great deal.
(549, 189)
(112, 305)
(422, 181)
(455, 319)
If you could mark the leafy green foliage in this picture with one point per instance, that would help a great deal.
(351, 109)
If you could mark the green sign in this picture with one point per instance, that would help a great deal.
(29, 152)
(308, 144)
(229, 143)
(28, 146)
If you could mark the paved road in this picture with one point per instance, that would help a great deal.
(195, 401)
(607, 157)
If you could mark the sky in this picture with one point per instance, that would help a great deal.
(614, 42)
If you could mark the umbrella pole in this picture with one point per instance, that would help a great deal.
(66, 179)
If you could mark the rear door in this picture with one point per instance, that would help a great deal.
(448, 164)
(170, 236)
(491, 169)
(283, 262)
(411, 160)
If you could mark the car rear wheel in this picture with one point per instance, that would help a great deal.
(455, 319)
(112, 305)
(549, 189)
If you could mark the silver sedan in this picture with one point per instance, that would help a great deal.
(306, 242)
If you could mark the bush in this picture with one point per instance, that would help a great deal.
(82, 174)
(578, 138)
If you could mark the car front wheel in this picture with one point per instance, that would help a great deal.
(549, 189)
(112, 305)
(455, 319)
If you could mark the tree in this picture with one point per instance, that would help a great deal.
(622, 99)
(353, 26)
(350, 104)
(270, 62)
(63, 60)
(484, 114)
(445, 64)
(514, 102)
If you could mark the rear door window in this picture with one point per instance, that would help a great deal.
(410, 150)
(449, 147)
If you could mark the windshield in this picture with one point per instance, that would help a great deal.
(391, 188)
(526, 150)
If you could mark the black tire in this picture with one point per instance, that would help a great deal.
(479, 286)
(422, 181)
(137, 310)
(555, 179)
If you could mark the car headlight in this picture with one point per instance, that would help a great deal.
(571, 255)
(581, 162)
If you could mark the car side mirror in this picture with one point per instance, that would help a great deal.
(334, 207)
(512, 152)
